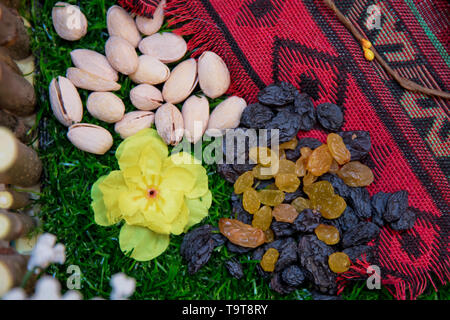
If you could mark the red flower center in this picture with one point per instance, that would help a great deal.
(152, 193)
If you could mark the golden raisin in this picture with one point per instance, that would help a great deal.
(270, 237)
(338, 149)
(243, 182)
(282, 154)
(327, 234)
(305, 153)
(269, 260)
(241, 234)
(263, 155)
(286, 166)
(287, 182)
(318, 190)
(251, 201)
(332, 207)
(285, 213)
(356, 174)
(319, 162)
(290, 145)
(301, 204)
(300, 168)
(339, 262)
(309, 178)
(262, 218)
(334, 168)
(260, 172)
(271, 197)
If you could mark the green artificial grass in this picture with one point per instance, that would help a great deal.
(70, 173)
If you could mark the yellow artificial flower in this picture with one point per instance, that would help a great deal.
(156, 195)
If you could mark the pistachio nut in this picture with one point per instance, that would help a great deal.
(105, 106)
(90, 138)
(146, 97)
(133, 122)
(182, 82)
(69, 22)
(169, 124)
(65, 101)
(121, 55)
(122, 25)
(167, 47)
(95, 63)
(150, 70)
(227, 115)
(213, 75)
(195, 113)
(149, 26)
(86, 80)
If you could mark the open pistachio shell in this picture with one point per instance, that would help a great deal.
(65, 101)
(169, 124)
(133, 122)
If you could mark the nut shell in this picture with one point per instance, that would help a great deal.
(150, 70)
(226, 115)
(213, 75)
(95, 63)
(86, 80)
(167, 47)
(150, 26)
(90, 138)
(122, 25)
(169, 123)
(133, 122)
(195, 113)
(69, 22)
(182, 82)
(146, 97)
(105, 106)
(65, 101)
(121, 55)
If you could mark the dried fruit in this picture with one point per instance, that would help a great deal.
(197, 247)
(346, 221)
(327, 234)
(330, 116)
(288, 124)
(323, 199)
(105, 106)
(270, 236)
(262, 218)
(279, 94)
(282, 229)
(291, 196)
(269, 260)
(357, 252)
(244, 182)
(234, 267)
(286, 166)
(251, 201)
(334, 168)
(293, 276)
(307, 221)
(359, 200)
(300, 168)
(241, 234)
(227, 172)
(311, 143)
(396, 205)
(301, 204)
(362, 233)
(379, 202)
(338, 184)
(133, 122)
(287, 182)
(304, 106)
(261, 155)
(285, 213)
(226, 116)
(278, 285)
(290, 145)
(288, 254)
(256, 116)
(213, 75)
(319, 162)
(338, 149)
(259, 170)
(339, 262)
(237, 249)
(406, 221)
(358, 143)
(271, 197)
(309, 179)
(356, 174)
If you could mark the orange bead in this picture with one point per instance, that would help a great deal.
(369, 55)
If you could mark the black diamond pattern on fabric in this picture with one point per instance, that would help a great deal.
(259, 13)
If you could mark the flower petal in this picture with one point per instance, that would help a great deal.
(144, 243)
(131, 203)
(150, 161)
(171, 203)
(179, 224)
(178, 179)
(98, 205)
(198, 209)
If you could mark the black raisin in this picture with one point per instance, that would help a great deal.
(379, 202)
(278, 94)
(362, 233)
(318, 296)
(290, 196)
(293, 276)
(197, 247)
(256, 116)
(358, 143)
(330, 116)
(287, 123)
(307, 221)
(288, 255)
(359, 200)
(234, 267)
(282, 229)
(396, 205)
(357, 252)
(311, 143)
(227, 172)
(346, 221)
(278, 285)
(236, 248)
(406, 221)
(338, 184)
(304, 106)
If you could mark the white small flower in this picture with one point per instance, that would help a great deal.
(47, 288)
(46, 252)
(122, 286)
(15, 294)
